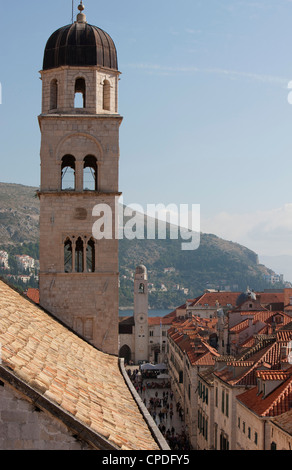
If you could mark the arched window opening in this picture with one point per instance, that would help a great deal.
(68, 173)
(90, 173)
(54, 94)
(125, 352)
(79, 266)
(90, 256)
(68, 256)
(141, 288)
(80, 93)
(106, 95)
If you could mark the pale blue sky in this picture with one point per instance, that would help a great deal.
(203, 93)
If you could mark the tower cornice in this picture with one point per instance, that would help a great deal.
(75, 193)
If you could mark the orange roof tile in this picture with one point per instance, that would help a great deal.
(190, 342)
(210, 298)
(270, 354)
(67, 373)
(239, 326)
(152, 321)
(271, 297)
(34, 295)
(277, 402)
(273, 374)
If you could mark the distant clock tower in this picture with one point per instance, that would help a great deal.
(141, 314)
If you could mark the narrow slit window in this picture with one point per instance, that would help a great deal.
(80, 93)
(79, 256)
(90, 256)
(68, 256)
(90, 173)
(54, 94)
(68, 173)
(106, 95)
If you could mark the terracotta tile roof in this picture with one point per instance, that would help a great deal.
(68, 374)
(152, 321)
(267, 352)
(208, 323)
(210, 298)
(190, 342)
(285, 334)
(243, 325)
(34, 295)
(277, 402)
(253, 312)
(240, 363)
(226, 298)
(248, 343)
(271, 297)
(269, 316)
(273, 374)
(256, 356)
(284, 421)
(266, 317)
(207, 359)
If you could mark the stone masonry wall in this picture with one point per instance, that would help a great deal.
(24, 428)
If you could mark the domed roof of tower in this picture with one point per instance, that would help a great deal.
(80, 44)
(141, 269)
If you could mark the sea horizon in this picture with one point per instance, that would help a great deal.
(151, 312)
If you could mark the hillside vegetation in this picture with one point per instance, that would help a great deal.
(174, 275)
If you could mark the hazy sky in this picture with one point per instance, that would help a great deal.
(204, 96)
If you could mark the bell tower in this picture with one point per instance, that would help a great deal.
(141, 314)
(79, 154)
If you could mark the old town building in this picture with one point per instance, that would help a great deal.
(189, 353)
(271, 397)
(233, 376)
(219, 394)
(281, 432)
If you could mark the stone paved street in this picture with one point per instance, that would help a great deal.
(162, 406)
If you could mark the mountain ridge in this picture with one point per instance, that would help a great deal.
(174, 275)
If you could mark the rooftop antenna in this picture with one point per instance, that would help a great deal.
(72, 11)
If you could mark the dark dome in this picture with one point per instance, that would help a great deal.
(141, 269)
(244, 296)
(80, 44)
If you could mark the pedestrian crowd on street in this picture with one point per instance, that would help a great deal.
(166, 412)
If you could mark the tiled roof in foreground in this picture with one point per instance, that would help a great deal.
(67, 376)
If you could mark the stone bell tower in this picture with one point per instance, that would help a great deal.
(141, 314)
(79, 154)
